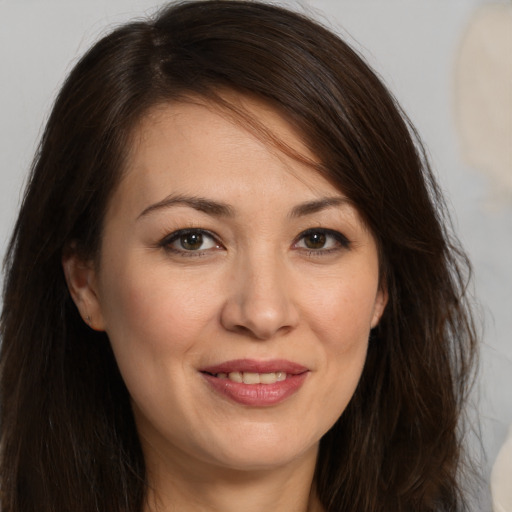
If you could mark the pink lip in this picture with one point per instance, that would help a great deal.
(251, 365)
(256, 395)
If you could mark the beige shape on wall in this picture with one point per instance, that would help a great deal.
(501, 478)
(483, 94)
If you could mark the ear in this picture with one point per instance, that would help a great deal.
(81, 279)
(381, 301)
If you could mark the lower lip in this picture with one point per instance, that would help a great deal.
(257, 395)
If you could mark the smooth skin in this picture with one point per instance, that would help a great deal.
(217, 246)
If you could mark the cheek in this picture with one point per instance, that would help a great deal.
(341, 312)
(155, 308)
(154, 323)
(341, 318)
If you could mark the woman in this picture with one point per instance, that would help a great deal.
(230, 284)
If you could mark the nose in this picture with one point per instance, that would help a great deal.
(260, 302)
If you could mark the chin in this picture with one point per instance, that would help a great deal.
(262, 453)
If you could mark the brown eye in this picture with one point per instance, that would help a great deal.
(315, 240)
(321, 241)
(191, 241)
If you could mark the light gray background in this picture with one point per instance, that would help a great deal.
(412, 44)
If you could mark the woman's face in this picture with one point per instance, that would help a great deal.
(237, 287)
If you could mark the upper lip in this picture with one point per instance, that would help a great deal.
(255, 366)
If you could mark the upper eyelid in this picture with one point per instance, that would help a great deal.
(185, 231)
(315, 229)
(342, 238)
(172, 237)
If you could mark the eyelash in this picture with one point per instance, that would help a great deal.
(167, 242)
(341, 242)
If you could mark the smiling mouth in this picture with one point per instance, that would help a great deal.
(256, 383)
(252, 377)
(251, 371)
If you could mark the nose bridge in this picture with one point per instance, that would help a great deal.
(261, 303)
(262, 277)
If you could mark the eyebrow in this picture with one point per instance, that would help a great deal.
(318, 205)
(201, 204)
(219, 209)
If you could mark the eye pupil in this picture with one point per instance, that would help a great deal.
(191, 241)
(315, 240)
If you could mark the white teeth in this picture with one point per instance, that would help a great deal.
(268, 378)
(253, 378)
(236, 376)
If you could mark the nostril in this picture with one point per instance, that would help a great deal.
(257, 333)
(241, 329)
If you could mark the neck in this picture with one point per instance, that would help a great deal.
(175, 485)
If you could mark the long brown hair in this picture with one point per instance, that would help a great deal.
(68, 439)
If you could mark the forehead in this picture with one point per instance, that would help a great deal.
(195, 145)
(228, 121)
